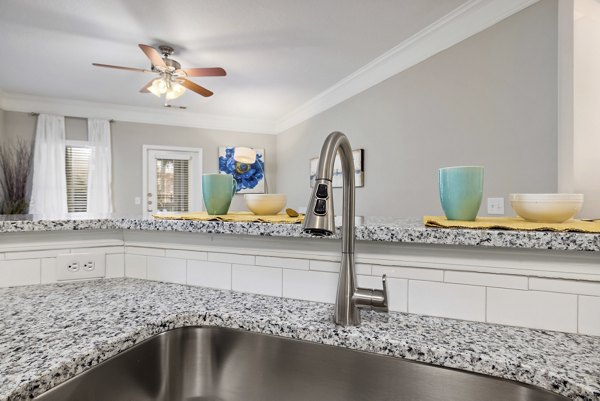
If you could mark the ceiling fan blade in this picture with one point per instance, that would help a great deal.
(121, 68)
(196, 88)
(145, 88)
(153, 55)
(205, 72)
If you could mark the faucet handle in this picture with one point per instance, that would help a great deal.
(385, 291)
(372, 298)
(380, 297)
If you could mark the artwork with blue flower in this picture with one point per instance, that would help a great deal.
(250, 178)
(359, 169)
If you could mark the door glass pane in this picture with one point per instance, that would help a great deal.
(172, 185)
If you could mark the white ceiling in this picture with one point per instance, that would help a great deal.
(278, 53)
(287, 60)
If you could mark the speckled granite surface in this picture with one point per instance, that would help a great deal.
(50, 333)
(371, 229)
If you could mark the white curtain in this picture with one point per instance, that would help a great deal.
(99, 196)
(49, 182)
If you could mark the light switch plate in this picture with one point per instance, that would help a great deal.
(495, 206)
(77, 266)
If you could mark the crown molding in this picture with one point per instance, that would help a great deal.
(463, 22)
(172, 117)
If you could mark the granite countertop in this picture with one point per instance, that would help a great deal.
(50, 333)
(393, 230)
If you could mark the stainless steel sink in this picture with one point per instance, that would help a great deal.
(217, 364)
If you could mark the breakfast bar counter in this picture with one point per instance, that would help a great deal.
(376, 229)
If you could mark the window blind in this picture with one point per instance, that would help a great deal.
(77, 165)
(172, 185)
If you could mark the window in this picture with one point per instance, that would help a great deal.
(172, 185)
(77, 165)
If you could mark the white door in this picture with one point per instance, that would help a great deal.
(172, 180)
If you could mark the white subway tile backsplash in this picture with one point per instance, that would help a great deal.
(397, 290)
(535, 309)
(48, 270)
(209, 274)
(256, 279)
(363, 268)
(19, 272)
(566, 286)
(138, 250)
(323, 265)
(334, 267)
(51, 253)
(115, 265)
(170, 270)
(412, 273)
(284, 263)
(366, 281)
(231, 258)
(446, 300)
(546, 303)
(310, 285)
(135, 266)
(589, 315)
(190, 255)
(487, 280)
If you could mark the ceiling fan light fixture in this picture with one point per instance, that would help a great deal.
(175, 91)
(158, 87)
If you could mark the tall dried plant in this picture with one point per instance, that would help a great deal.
(15, 166)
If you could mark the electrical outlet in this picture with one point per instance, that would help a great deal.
(78, 266)
(137, 200)
(495, 206)
(89, 266)
(73, 266)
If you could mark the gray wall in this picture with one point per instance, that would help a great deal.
(127, 141)
(1, 126)
(586, 140)
(490, 100)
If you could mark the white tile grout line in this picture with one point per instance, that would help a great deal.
(407, 295)
(186, 272)
(577, 313)
(486, 305)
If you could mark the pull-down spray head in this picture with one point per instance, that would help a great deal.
(320, 219)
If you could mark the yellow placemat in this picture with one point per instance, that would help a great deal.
(513, 223)
(240, 217)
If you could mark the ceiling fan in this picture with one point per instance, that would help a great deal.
(172, 81)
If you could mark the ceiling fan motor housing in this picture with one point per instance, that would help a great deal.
(172, 63)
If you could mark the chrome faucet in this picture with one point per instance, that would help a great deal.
(320, 221)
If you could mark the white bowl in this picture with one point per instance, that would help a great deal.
(546, 208)
(265, 204)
